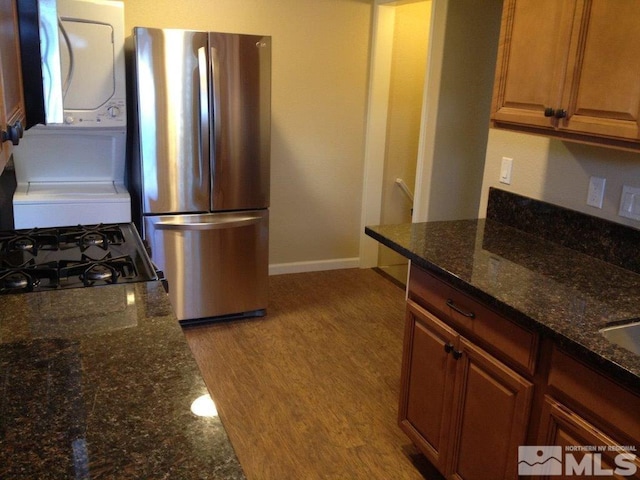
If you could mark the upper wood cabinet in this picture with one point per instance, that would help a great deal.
(12, 111)
(570, 68)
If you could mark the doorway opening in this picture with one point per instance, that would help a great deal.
(404, 114)
(399, 65)
(455, 109)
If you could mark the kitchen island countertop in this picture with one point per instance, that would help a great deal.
(98, 383)
(562, 293)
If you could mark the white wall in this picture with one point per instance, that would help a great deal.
(558, 172)
(319, 92)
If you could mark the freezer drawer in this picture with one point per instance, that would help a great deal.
(216, 265)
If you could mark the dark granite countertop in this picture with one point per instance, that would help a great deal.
(98, 383)
(561, 292)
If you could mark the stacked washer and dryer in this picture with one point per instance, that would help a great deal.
(71, 170)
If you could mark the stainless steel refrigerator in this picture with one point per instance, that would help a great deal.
(202, 177)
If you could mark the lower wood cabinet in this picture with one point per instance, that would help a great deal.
(463, 408)
(561, 426)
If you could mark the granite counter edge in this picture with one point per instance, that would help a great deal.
(601, 361)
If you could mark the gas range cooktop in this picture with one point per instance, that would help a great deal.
(41, 259)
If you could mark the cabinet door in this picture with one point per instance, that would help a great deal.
(5, 147)
(427, 382)
(492, 406)
(532, 57)
(12, 101)
(564, 428)
(602, 93)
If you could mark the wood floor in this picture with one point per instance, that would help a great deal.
(311, 390)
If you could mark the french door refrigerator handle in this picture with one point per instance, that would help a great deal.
(203, 109)
(216, 112)
(187, 226)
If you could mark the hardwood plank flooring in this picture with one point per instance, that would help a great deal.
(310, 391)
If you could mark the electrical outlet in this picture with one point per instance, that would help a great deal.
(505, 170)
(596, 191)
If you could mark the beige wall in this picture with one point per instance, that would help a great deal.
(558, 172)
(320, 65)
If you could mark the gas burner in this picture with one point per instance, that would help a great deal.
(25, 243)
(93, 239)
(26, 277)
(100, 272)
(101, 236)
(105, 270)
(16, 280)
(29, 241)
(38, 259)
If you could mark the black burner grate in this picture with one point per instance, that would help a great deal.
(28, 276)
(93, 271)
(70, 257)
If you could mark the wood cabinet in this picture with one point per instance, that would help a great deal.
(563, 427)
(570, 69)
(583, 408)
(12, 111)
(465, 409)
(428, 377)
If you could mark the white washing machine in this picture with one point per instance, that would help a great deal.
(70, 177)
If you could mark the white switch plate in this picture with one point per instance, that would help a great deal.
(505, 170)
(630, 203)
(596, 191)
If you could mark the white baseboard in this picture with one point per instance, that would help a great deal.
(314, 266)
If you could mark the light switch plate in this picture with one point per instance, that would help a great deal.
(505, 170)
(630, 203)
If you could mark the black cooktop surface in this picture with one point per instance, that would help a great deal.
(72, 257)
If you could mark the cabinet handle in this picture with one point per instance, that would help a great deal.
(560, 113)
(549, 112)
(457, 354)
(448, 347)
(459, 310)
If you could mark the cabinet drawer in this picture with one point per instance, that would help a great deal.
(508, 341)
(593, 395)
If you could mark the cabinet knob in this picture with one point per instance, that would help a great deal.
(13, 133)
(448, 347)
(549, 112)
(560, 113)
(18, 126)
(457, 354)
